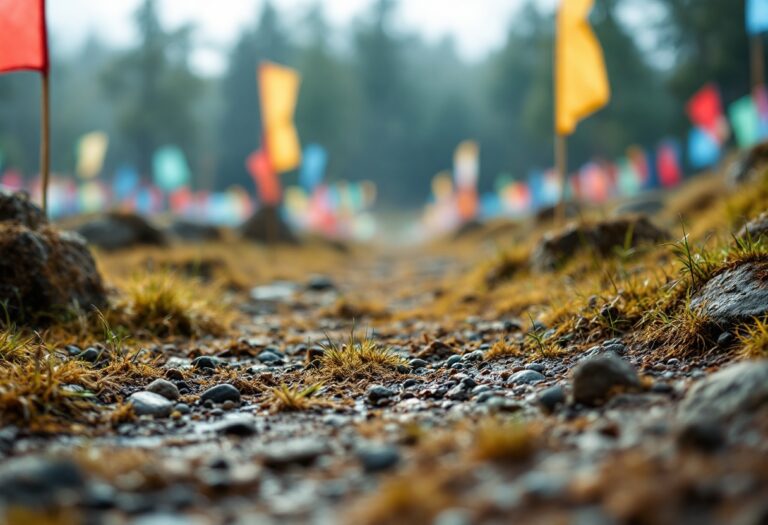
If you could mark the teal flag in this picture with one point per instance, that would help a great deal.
(745, 122)
(170, 168)
(629, 181)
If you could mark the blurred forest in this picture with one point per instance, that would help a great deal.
(388, 106)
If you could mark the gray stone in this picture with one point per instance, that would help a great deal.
(298, 451)
(150, 404)
(737, 294)
(739, 388)
(164, 388)
(269, 358)
(117, 230)
(237, 425)
(40, 482)
(417, 363)
(526, 377)
(552, 397)
(205, 361)
(320, 283)
(595, 379)
(377, 458)
(221, 393)
(378, 392)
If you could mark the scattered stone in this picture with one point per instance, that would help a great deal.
(417, 363)
(299, 451)
(119, 230)
(551, 398)
(269, 358)
(376, 393)
(40, 482)
(320, 283)
(556, 247)
(91, 355)
(205, 361)
(454, 359)
(736, 294)
(150, 404)
(725, 339)
(526, 377)
(377, 458)
(735, 390)
(164, 388)
(240, 425)
(221, 393)
(597, 378)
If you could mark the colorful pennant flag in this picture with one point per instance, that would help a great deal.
(629, 180)
(668, 163)
(706, 112)
(313, 165)
(279, 91)
(581, 81)
(745, 122)
(126, 182)
(703, 150)
(466, 164)
(170, 169)
(264, 176)
(23, 40)
(757, 16)
(91, 150)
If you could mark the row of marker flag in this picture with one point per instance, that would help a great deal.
(455, 198)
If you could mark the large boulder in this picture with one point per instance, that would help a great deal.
(43, 271)
(736, 294)
(267, 226)
(118, 230)
(602, 237)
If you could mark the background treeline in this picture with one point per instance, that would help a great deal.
(387, 105)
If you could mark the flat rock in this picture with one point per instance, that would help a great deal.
(739, 388)
(737, 294)
(221, 393)
(526, 377)
(150, 404)
(597, 378)
(603, 237)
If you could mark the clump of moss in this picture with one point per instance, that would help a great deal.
(503, 348)
(357, 359)
(753, 340)
(164, 305)
(502, 440)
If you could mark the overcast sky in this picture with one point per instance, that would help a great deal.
(478, 26)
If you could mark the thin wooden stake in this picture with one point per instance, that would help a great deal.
(45, 136)
(561, 165)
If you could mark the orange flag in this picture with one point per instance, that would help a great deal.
(581, 82)
(264, 176)
(279, 91)
(23, 41)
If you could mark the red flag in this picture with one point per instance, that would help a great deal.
(23, 40)
(668, 164)
(706, 111)
(265, 177)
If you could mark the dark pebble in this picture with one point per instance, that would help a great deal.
(221, 393)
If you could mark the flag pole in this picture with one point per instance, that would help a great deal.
(758, 61)
(561, 165)
(45, 135)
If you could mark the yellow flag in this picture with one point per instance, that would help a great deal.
(581, 82)
(279, 90)
(91, 150)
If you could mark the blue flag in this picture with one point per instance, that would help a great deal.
(703, 150)
(170, 168)
(126, 182)
(757, 16)
(314, 161)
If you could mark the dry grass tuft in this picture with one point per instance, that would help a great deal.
(503, 348)
(165, 305)
(502, 440)
(753, 340)
(284, 398)
(357, 359)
